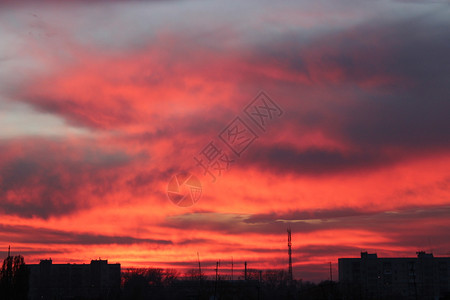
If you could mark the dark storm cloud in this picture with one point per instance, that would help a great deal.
(44, 177)
(26, 252)
(383, 83)
(382, 89)
(185, 128)
(194, 241)
(383, 222)
(410, 111)
(35, 235)
(287, 159)
(410, 48)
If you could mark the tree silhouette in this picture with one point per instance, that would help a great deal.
(14, 279)
(194, 274)
(148, 283)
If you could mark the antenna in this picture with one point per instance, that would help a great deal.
(290, 253)
(9, 250)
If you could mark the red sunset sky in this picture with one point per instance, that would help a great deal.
(102, 102)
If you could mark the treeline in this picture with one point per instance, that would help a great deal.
(155, 283)
(14, 279)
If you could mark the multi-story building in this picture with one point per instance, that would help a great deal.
(370, 277)
(97, 280)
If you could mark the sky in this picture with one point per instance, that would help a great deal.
(326, 117)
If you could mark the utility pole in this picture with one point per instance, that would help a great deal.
(331, 273)
(217, 278)
(245, 271)
(199, 267)
(217, 269)
(290, 253)
(232, 265)
(199, 275)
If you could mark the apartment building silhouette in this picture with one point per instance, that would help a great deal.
(97, 280)
(370, 277)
